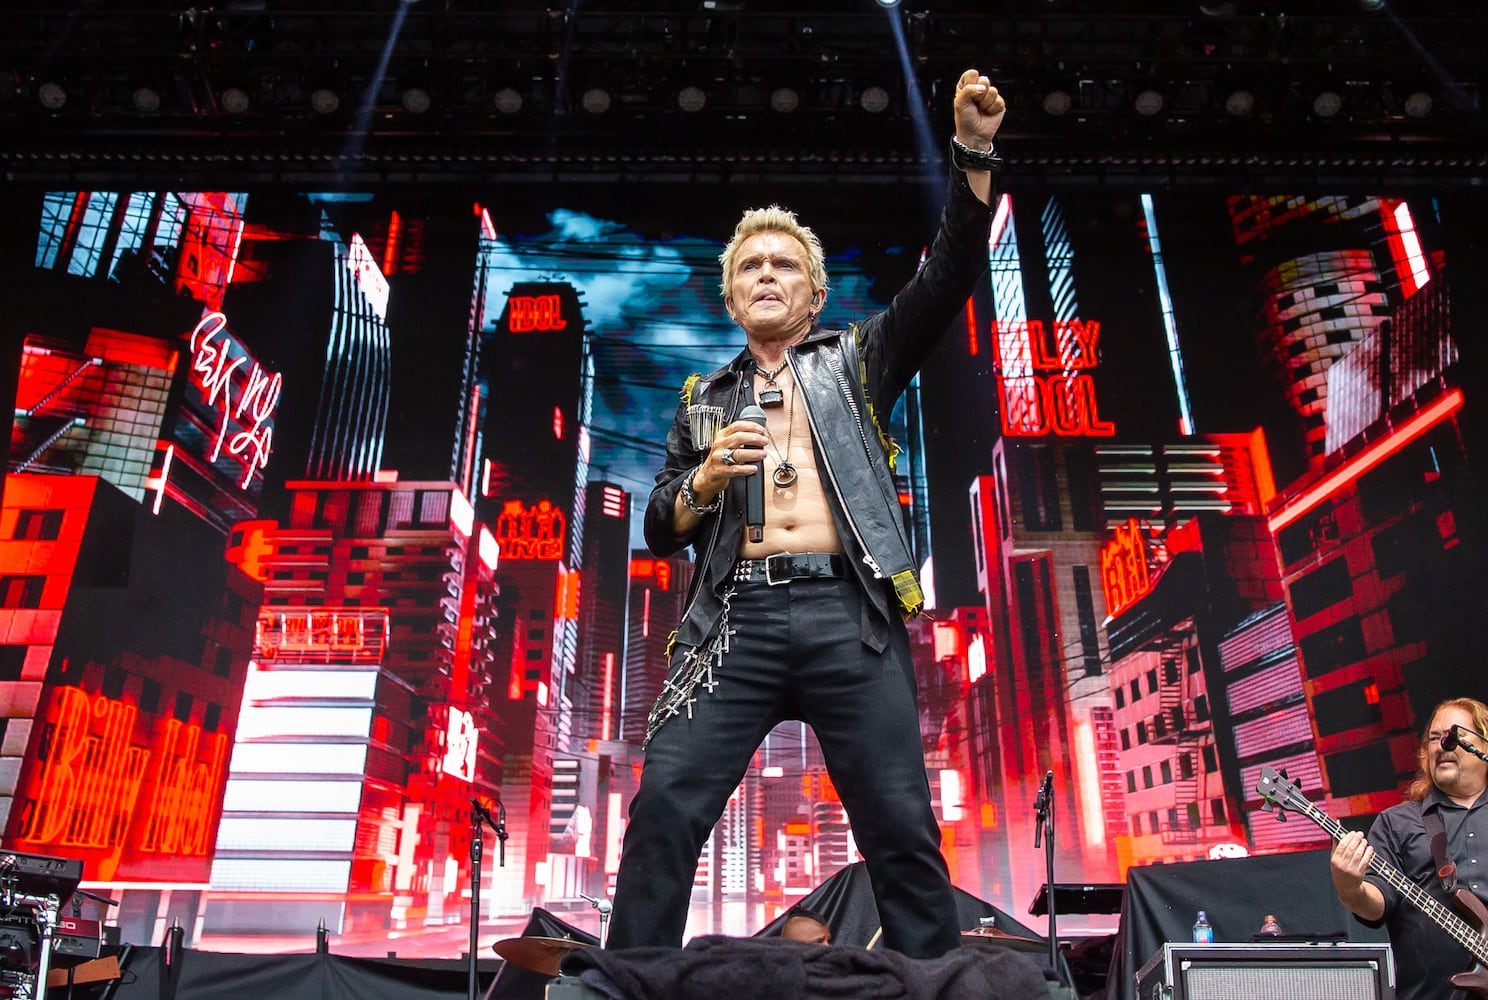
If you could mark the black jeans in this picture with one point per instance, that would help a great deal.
(795, 654)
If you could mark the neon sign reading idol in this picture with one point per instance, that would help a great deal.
(244, 397)
(1046, 390)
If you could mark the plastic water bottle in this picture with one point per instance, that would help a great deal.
(1202, 932)
(1270, 927)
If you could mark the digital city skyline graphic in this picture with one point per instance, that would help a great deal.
(319, 523)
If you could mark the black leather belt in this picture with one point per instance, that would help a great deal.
(787, 566)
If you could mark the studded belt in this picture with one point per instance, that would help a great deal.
(787, 566)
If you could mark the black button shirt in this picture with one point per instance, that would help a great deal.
(1425, 955)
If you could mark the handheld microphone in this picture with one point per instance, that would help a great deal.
(754, 485)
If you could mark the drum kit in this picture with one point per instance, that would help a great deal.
(538, 954)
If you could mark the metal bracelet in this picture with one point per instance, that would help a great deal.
(690, 500)
(966, 158)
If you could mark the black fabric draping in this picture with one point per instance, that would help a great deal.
(1237, 893)
(846, 901)
(206, 975)
(775, 969)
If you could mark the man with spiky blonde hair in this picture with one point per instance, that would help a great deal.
(774, 220)
(804, 569)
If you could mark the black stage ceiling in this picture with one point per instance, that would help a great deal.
(1338, 91)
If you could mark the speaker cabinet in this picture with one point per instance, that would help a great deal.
(1294, 971)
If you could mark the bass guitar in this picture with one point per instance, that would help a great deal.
(1277, 790)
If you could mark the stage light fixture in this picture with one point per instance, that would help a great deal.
(692, 99)
(145, 100)
(1240, 104)
(324, 101)
(1148, 102)
(873, 100)
(52, 96)
(1058, 102)
(596, 100)
(508, 100)
(234, 100)
(1418, 104)
(888, 3)
(416, 100)
(1327, 103)
(784, 100)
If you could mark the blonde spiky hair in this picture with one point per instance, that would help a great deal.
(774, 220)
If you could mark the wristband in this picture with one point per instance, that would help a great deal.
(966, 158)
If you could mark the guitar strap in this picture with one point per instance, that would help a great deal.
(1446, 870)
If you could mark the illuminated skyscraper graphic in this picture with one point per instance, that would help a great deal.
(1170, 322)
(599, 677)
(537, 364)
(139, 439)
(1170, 683)
(658, 594)
(1269, 721)
(367, 725)
(1315, 306)
(351, 418)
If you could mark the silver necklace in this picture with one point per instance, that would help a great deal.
(785, 475)
(770, 396)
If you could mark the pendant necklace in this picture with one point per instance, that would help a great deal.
(784, 476)
(770, 396)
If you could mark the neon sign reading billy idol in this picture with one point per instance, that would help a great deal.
(1048, 391)
(1124, 576)
(93, 774)
(244, 398)
(535, 312)
(530, 532)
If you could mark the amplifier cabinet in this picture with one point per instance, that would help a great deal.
(1294, 971)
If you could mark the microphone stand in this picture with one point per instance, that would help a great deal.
(1044, 828)
(604, 907)
(480, 814)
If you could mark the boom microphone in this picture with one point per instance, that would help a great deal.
(1451, 741)
(754, 485)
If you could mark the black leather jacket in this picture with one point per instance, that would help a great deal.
(847, 380)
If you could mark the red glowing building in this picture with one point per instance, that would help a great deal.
(366, 725)
(126, 633)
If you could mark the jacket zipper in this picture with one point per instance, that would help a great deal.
(868, 559)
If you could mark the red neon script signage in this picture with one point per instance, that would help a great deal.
(536, 312)
(244, 398)
(1048, 391)
(93, 774)
(530, 532)
(1124, 575)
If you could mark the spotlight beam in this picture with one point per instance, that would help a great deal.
(1450, 87)
(361, 126)
(919, 117)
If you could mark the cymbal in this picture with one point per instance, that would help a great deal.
(538, 954)
(1003, 940)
